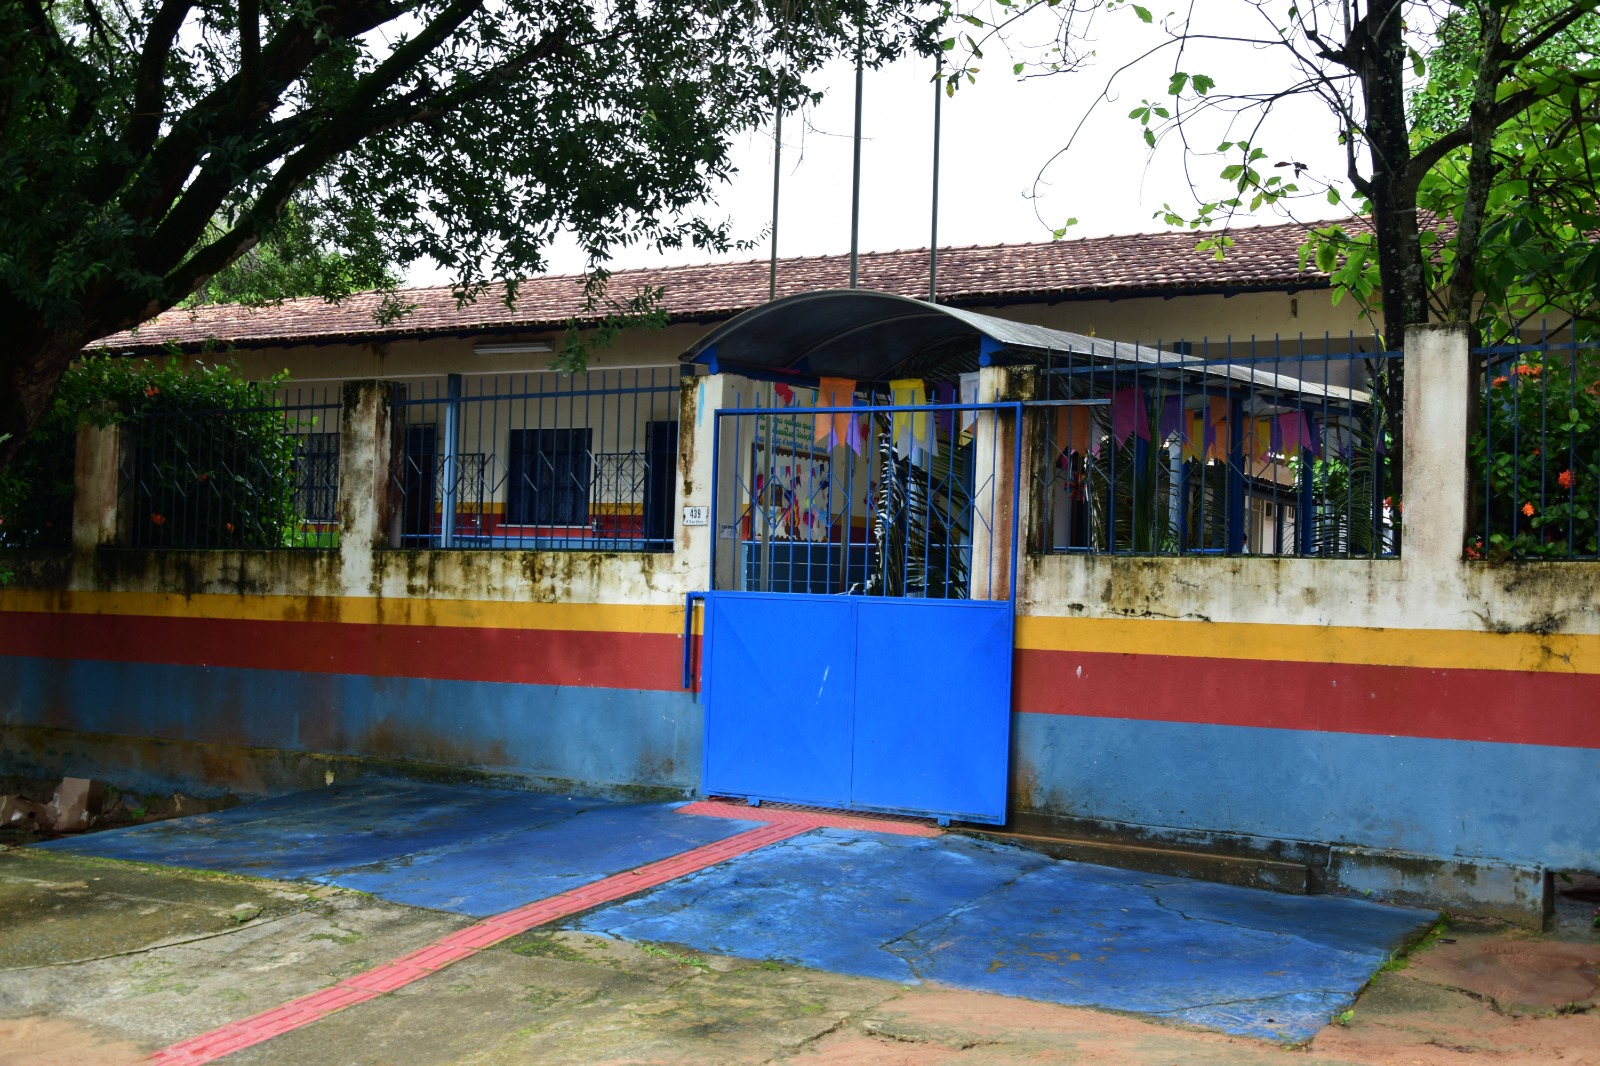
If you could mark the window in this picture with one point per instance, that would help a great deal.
(550, 472)
(316, 477)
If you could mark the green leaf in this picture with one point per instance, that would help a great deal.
(1018, 68)
(1333, 195)
(1143, 13)
(1149, 137)
(1179, 80)
(1203, 84)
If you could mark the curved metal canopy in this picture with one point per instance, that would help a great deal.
(870, 336)
(878, 336)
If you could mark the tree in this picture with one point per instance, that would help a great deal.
(1537, 256)
(313, 250)
(1517, 78)
(146, 145)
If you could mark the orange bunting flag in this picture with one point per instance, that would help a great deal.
(1072, 430)
(836, 429)
(1218, 432)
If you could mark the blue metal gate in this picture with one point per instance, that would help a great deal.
(858, 628)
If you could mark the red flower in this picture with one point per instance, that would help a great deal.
(1527, 509)
(1564, 479)
(229, 526)
(152, 391)
(1529, 370)
(1501, 380)
(156, 519)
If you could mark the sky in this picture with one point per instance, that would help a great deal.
(1001, 180)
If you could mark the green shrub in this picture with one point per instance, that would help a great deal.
(207, 460)
(1536, 461)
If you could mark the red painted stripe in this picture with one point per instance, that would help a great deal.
(648, 661)
(415, 965)
(809, 818)
(1498, 706)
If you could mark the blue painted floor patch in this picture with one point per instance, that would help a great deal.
(468, 850)
(483, 876)
(829, 900)
(948, 910)
(969, 914)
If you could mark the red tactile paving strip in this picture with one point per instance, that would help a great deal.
(208, 1047)
(788, 814)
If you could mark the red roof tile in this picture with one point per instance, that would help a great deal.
(1262, 257)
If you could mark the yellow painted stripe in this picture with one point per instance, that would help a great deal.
(1426, 648)
(487, 614)
(1438, 649)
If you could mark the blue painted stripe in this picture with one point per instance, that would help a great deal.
(1515, 803)
(603, 737)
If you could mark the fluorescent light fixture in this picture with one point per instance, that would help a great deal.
(516, 348)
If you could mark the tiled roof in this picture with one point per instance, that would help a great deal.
(1262, 257)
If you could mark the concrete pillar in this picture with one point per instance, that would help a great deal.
(365, 454)
(995, 472)
(1438, 385)
(96, 479)
(698, 401)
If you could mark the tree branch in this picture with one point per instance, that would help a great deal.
(228, 110)
(1428, 157)
(150, 81)
(1561, 21)
(358, 117)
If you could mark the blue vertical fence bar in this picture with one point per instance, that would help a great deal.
(259, 473)
(1260, 447)
(546, 461)
(1534, 454)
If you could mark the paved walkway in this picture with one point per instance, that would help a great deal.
(851, 896)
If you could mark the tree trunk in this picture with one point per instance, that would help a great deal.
(31, 365)
(1380, 55)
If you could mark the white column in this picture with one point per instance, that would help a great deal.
(365, 447)
(1437, 394)
(995, 471)
(96, 479)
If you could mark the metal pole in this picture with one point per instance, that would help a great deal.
(452, 451)
(933, 237)
(777, 163)
(855, 173)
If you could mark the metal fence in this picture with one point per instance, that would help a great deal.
(1534, 453)
(878, 493)
(1280, 448)
(237, 477)
(562, 461)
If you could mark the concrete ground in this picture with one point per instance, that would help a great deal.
(110, 960)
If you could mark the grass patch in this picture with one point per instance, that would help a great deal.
(543, 946)
(659, 952)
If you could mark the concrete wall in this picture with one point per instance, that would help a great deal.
(249, 670)
(1419, 728)
(1423, 727)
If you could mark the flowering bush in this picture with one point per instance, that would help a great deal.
(1536, 459)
